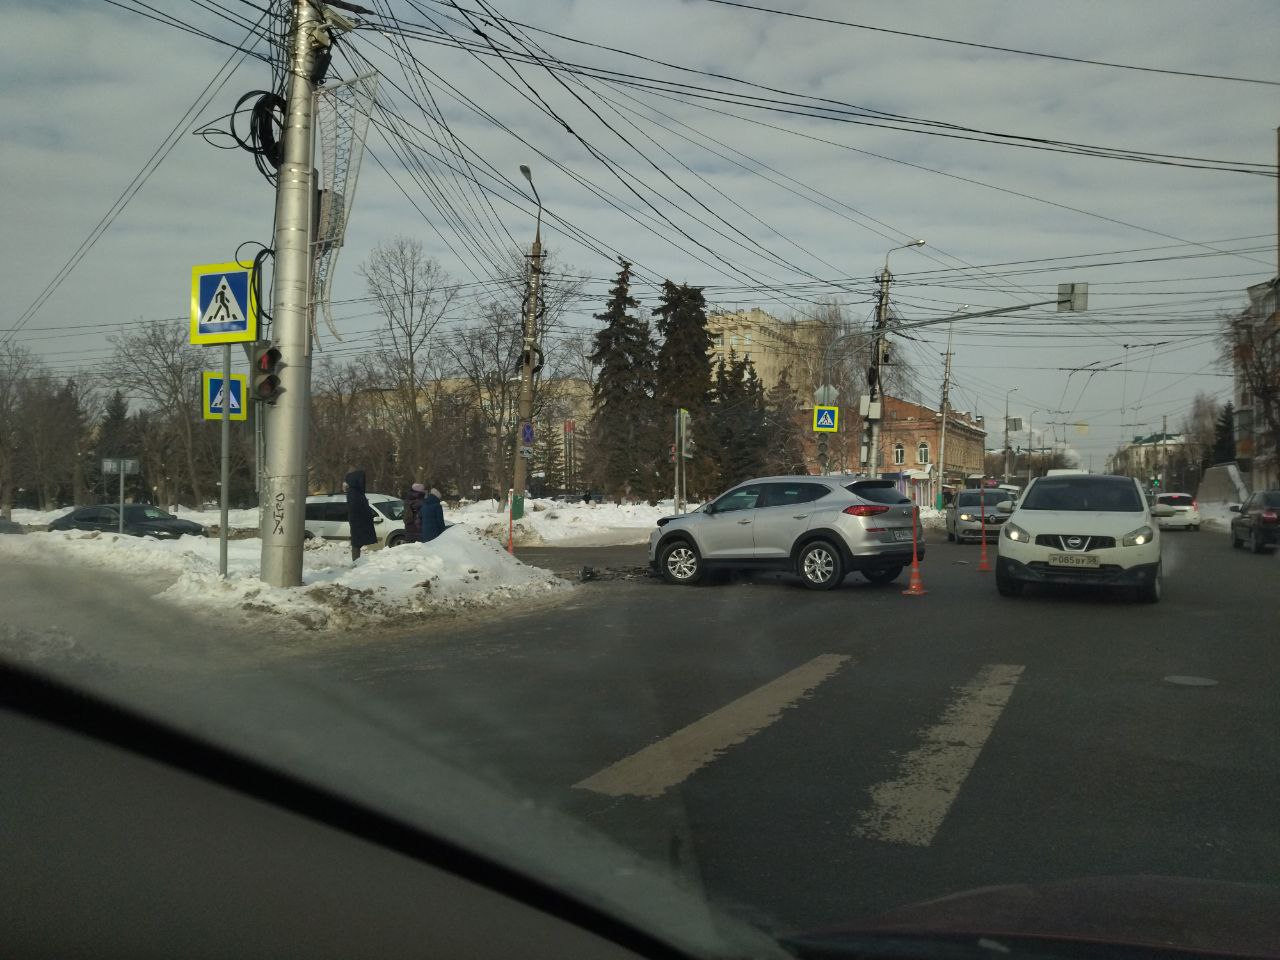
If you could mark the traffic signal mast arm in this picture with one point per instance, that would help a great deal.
(952, 318)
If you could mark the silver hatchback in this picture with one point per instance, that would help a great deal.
(820, 528)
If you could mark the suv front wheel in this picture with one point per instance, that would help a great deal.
(819, 566)
(680, 563)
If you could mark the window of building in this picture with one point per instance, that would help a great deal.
(899, 454)
(922, 452)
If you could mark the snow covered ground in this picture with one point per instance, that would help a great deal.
(459, 570)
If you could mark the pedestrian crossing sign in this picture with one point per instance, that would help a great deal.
(223, 308)
(214, 395)
(826, 419)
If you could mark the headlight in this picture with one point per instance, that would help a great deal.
(966, 516)
(1138, 537)
(1015, 532)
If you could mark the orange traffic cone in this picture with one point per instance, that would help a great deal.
(916, 587)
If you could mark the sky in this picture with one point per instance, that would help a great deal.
(753, 153)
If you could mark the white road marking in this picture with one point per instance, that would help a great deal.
(660, 766)
(911, 808)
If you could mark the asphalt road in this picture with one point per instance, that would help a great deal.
(811, 757)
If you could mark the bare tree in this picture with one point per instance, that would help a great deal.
(158, 365)
(1199, 428)
(413, 294)
(17, 367)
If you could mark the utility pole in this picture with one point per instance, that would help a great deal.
(285, 482)
(942, 440)
(1164, 452)
(877, 368)
(1006, 432)
(524, 435)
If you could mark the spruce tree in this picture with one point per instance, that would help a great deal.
(785, 435)
(1224, 435)
(622, 423)
(684, 381)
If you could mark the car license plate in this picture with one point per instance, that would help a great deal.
(1073, 560)
(902, 534)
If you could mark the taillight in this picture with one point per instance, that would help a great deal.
(865, 510)
(1194, 505)
(1268, 516)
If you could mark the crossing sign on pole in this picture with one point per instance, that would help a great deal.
(826, 419)
(223, 309)
(214, 395)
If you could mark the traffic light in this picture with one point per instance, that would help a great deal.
(1155, 481)
(266, 373)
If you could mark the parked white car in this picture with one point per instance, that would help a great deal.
(1186, 514)
(326, 518)
(1082, 529)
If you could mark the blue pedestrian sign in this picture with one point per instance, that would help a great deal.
(526, 434)
(214, 396)
(826, 419)
(222, 304)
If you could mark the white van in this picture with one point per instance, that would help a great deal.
(326, 518)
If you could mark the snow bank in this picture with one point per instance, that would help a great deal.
(1215, 516)
(551, 522)
(458, 570)
(236, 519)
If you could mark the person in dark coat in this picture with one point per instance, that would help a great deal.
(359, 513)
(413, 513)
(432, 516)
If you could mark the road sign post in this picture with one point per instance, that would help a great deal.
(226, 459)
(122, 466)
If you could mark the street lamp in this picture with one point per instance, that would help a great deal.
(1006, 432)
(523, 446)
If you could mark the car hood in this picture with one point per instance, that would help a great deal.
(1094, 522)
(1156, 912)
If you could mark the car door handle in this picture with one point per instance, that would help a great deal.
(798, 516)
(744, 521)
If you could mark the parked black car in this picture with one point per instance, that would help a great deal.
(8, 526)
(140, 520)
(1258, 524)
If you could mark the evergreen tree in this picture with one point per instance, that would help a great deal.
(548, 459)
(113, 428)
(622, 396)
(684, 380)
(738, 421)
(1224, 435)
(785, 451)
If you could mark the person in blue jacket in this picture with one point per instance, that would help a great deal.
(432, 516)
(359, 513)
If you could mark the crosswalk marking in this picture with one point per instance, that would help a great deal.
(660, 766)
(911, 808)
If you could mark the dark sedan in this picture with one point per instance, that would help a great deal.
(140, 520)
(1258, 523)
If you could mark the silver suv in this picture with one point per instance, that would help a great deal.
(822, 528)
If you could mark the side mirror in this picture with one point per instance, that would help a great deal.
(377, 518)
(1234, 508)
(1004, 506)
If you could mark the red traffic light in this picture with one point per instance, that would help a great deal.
(266, 378)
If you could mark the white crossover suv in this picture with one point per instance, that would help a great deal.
(1082, 529)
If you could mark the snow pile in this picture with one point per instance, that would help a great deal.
(1216, 516)
(458, 570)
(552, 522)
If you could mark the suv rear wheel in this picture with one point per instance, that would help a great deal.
(680, 563)
(819, 566)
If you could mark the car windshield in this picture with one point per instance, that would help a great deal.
(1095, 494)
(988, 498)
(724, 328)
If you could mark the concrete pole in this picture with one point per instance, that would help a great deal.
(285, 486)
(942, 439)
(876, 393)
(526, 367)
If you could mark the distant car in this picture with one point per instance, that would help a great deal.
(1258, 523)
(140, 520)
(821, 528)
(326, 518)
(968, 510)
(1082, 529)
(1186, 515)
